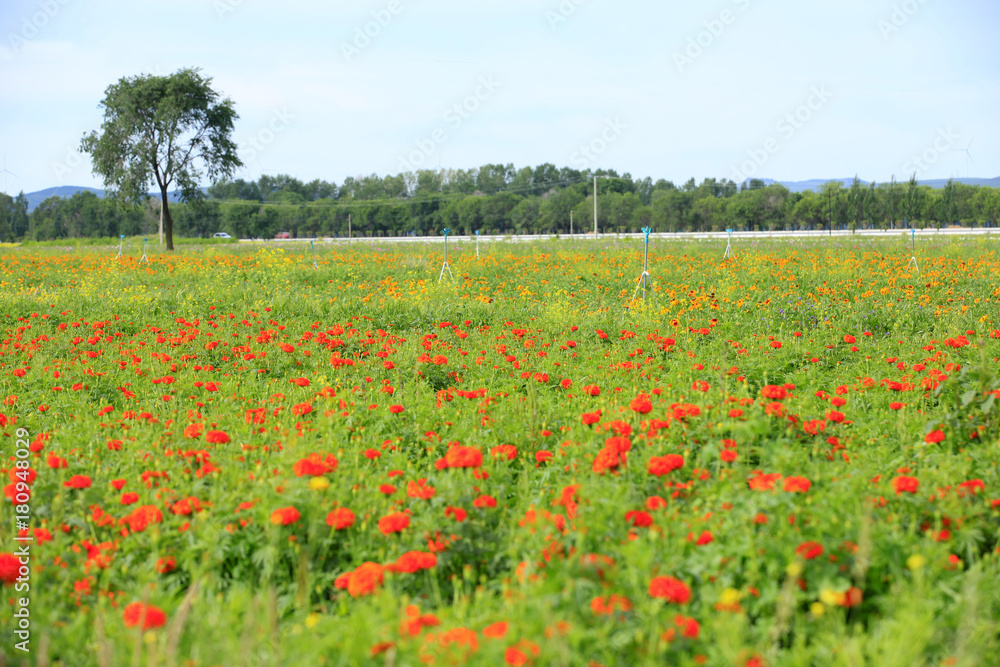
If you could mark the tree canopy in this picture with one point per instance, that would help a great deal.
(168, 130)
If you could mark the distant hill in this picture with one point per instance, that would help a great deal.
(815, 184)
(67, 191)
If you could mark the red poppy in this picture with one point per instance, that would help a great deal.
(773, 392)
(904, 484)
(934, 436)
(217, 437)
(661, 465)
(78, 482)
(285, 516)
(10, 568)
(809, 550)
(145, 615)
(340, 518)
(797, 485)
(641, 404)
(395, 522)
(669, 589)
(639, 519)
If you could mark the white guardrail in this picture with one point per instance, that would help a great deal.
(659, 236)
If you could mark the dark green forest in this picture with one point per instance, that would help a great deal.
(499, 199)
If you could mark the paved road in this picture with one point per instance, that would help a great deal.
(662, 236)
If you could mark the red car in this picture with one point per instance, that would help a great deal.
(282, 235)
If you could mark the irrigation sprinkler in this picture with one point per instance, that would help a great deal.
(645, 281)
(121, 240)
(729, 254)
(913, 249)
(144, 258)
(445, 267)
(313, 248)
(477, 244)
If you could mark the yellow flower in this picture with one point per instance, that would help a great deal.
(319, 483)
(817, 609)
(915, 562)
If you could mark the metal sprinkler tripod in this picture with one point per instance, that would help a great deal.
(913, 250)
(121, 240)
(445, 267)
(142, 259)
(729, 254)
(645, 281)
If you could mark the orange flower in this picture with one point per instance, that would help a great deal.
(495, 630)
(797, 485)
(285, 516)
(365, 579)
(217, 437)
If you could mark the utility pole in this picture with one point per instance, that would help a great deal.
(571, 223)
(595, 207)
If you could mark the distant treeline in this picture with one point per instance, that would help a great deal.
(499, 199)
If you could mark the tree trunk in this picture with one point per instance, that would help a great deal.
(168, 223)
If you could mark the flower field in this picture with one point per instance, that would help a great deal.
(230, 457)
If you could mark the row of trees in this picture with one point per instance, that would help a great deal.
(498, 199)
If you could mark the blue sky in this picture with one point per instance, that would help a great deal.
(780, 89)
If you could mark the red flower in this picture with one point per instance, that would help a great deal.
(340, 518)
(773, 392)
(934, 437)
(10, 568)
(78, 482)
(797, 484)
(661, 465)
(762, 482)
(217, 437)
(589, 418)
(460, 456)
(591, 390)
(395, 522)
(904, 484)
(145, 615)
(641, 404)
(483, 502)
(776, 344)
(285, 516)
(396, 409)
(639, 519)
(809, 550)
(365, 579)
(669, 589)
(458, 513)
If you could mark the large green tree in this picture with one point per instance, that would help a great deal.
(166, 130)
